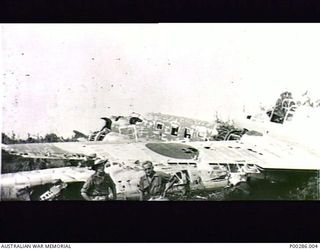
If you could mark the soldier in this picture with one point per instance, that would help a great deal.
(154, 184)
(97, 186)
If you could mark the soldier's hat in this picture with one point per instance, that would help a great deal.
(94, 155)
(100, 161)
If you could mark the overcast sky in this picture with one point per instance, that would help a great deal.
(60, 77)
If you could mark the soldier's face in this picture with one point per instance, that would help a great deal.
(100, 168)
(148, 169)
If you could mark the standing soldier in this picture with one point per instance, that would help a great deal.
(154, 184)
(97, 186)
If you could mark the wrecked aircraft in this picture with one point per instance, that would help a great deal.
(266, 146)
(194, 166)
(152, 126)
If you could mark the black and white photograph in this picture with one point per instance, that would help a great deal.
(160, 112)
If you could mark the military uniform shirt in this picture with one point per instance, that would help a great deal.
(154, 186)
(98, 185)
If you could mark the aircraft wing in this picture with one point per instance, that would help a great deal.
(45, 176)
(62, 149)
(11, 183)
(279, 154)
(262, 151)
(50, 150)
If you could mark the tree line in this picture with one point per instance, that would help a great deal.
(51, 137)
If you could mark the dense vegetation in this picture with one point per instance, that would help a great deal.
(51, 137)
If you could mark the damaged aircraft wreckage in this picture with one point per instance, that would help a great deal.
(277, 145)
